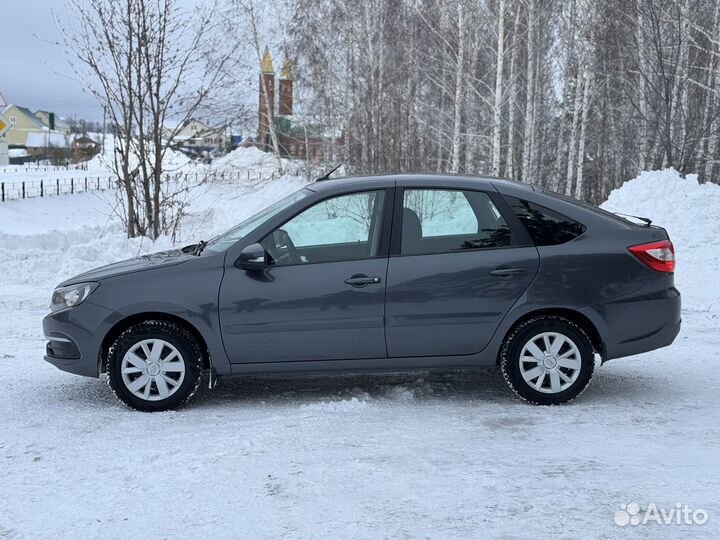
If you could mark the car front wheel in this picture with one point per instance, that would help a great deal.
(154, 366)
(548, 360)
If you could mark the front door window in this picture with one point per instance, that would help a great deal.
(342, 228)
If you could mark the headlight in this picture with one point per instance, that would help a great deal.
(71, 296)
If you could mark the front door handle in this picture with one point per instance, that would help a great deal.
(361, 280)
(507, 272)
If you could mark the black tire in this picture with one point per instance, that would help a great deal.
(525, 332)
(191, 355)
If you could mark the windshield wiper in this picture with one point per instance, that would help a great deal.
(199, 247)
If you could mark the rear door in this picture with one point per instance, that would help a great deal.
(456, 268)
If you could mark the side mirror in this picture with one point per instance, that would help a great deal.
(253, 257)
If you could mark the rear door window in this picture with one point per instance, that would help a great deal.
(546, 227)
(440, 221)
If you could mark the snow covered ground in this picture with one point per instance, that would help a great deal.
(443, 455)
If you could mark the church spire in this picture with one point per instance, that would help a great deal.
(286, 70)
(266, 66)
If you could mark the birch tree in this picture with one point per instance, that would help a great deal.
(497, 109)
(559, 178)
(711, 117)
(571, 94)
(572, 142)
(146, 63)
(512, 101)
(579, 186)
(459, 74)
(529, 91)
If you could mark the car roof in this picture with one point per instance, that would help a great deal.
(424, 179)
(565, 206)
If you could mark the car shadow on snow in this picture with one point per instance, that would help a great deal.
(484, 384)
(456, 386)
(473, 386)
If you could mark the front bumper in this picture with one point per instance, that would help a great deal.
(75, 337)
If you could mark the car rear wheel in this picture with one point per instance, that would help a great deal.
(154, 366)
(548, 360)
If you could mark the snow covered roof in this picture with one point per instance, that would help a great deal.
(82, 139)
(47, 139)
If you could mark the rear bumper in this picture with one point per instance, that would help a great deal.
(642, 324)
(75, 337)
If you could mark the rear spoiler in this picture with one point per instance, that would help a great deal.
(645, 221)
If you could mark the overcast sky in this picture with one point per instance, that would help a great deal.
(35, 72)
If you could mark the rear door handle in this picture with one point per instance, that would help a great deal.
(506, 271)
(361, 280)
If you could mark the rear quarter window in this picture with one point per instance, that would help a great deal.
(546, 227)
(591, 208)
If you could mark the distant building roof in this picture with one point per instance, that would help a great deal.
(48, 139)
(84, 139)
(44, 117)
(31, 116)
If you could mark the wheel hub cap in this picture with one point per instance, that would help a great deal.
(152, 369)
(550, 362)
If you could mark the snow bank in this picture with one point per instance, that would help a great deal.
(46, 240)
(173, 161)
(241, 160)
(690, 212)
(254, 160)
(100, 165)
(246, 158)
(217, 207)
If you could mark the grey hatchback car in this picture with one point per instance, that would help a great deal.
(395, 272)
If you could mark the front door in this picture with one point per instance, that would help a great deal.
(322, 295)
(459, 270)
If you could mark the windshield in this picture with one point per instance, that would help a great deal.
(227, 239)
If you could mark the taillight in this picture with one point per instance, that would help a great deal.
(659, 256)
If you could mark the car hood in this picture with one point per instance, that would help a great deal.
(138, 264)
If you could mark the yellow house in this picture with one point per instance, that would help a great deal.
(22, 123)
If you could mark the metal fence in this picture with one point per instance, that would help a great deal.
(34, 168)
(29, 189)
(60, 186)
